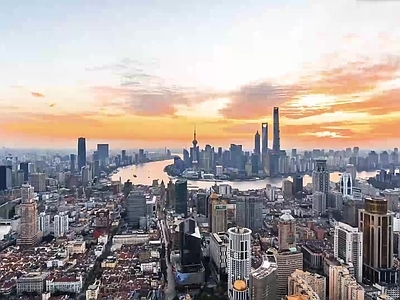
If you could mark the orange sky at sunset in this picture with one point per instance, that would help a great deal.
(341, 98)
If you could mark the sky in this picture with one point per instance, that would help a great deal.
(144, 73)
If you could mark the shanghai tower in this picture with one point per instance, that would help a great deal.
(276, 147)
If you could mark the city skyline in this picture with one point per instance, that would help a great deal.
(332, 69)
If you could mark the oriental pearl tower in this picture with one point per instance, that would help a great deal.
(194, 151)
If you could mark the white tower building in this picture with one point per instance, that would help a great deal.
(346, 185)
(348, 246)
(61, 224)
(44, 223)
(239, 263)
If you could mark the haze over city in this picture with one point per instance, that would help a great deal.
(146, 72)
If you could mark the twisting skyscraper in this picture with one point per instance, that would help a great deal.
(81, 153)
(277, 138)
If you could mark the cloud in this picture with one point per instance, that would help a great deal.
(255, 101)
(38, 95)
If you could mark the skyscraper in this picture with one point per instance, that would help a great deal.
(190, 243)
(320, 177)
(103, 151)
(239, 263)
(277, 138)
(25, 168)
(249, 212)
(72, 158)
(348, 243)
(257, 143)
(376, 224)
(29, 229)
(217, 214)
(136, 207)
(264, 132)
(286, 231)
(195, 150)
(81, 153)
(181, 194)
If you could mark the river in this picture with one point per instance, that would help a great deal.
(145, 174)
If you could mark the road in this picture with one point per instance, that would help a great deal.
(170, 292)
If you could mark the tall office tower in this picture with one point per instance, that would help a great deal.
(61, 224)
(25, 168)
(352, 170)
(81, 153)
(171, 195)
(286, 231)
(190, 244)
(263, 279)
(29, 231)
(257, 143)
(264, 133)
(136, 207)
(346, 185)
(350, 212)
(181, 197)
(217, 214)
(342, 285)
(376, 224)
(202, 206)
(72, 162)
(320, 177)
(277, 138)
(104, 152)
(239, 263)
(298, 186)
(319, 203)
(38, 181)
(5, 178)
(307, 283)
(392, 197)
(348, 246)
(249, 212)
(44, 223)
(288, 262)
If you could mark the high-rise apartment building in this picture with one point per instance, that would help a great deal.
(217, 214)
(181, 196)
(44, 223)
(239, 263)
(376, 224)
(29, 231)
(348, 246)
(249, 212)
(342, 285)
(286, 232)
(61, 224)
(81, 153)
(319, 203)
(307, 283)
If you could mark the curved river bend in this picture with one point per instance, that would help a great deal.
(155, 170)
